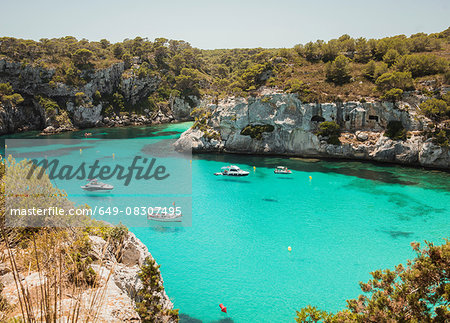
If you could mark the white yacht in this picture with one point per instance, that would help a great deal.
(95, 186)
(232, 170)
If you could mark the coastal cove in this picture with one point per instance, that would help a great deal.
(349, 219)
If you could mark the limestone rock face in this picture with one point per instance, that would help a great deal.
(32, 81)
(182, 107)
(295, 127)
(118, 285)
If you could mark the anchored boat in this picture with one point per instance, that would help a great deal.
(165, 218)
(95, 186)
(232, 170)
(282, 170)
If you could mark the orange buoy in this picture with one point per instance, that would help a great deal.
(289, 248)
(222, 308)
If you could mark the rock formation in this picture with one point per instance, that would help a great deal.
(295, 126)
(119, 282)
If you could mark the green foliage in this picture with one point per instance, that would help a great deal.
(447, 76)
(441, 137)
(395, 130)
(149, 308)
(79, 98)
(392, 95)
(305, 94)
(391, 80)
(256, 131)
(118, 102)
(97, 96)
(338, 71)
(331, 131)
(373, 70)
(390, 57)
(188, 82)
(50, 106)
(255, 75)
(6, 89)
(421, 65)
(418, 292)
(435, 109)
(81, 57)
(221, 72)
(7, 95)
(311, 314)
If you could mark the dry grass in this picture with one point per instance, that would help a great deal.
(50, 292)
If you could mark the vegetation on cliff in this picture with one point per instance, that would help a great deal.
(419, 292)
(345, 67)
(148, 308)
(7, 95)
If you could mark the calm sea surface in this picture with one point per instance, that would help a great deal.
(349, 219)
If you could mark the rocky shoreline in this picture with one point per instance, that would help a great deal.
(293, 130)
(72, 107)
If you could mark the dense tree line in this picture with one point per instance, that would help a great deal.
(340, 69)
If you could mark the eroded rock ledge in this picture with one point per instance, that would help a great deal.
(119, 281)
(295, 125)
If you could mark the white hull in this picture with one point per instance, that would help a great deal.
(177, 218)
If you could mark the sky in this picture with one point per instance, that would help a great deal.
(212, 24)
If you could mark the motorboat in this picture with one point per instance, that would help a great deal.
(165, 218)
(282, 170)
(95, 186)
(232, 170)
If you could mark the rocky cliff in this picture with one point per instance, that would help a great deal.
(83, 105)
(292, 130)
(115, 295)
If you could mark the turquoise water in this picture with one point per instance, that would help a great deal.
(349, 219)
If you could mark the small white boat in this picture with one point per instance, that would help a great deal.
(165, 218)
(95, 186)
(232, 170)
(282, 170)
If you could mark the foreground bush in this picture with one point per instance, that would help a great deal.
(419, 292)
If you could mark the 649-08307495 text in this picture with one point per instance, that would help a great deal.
(129, 211)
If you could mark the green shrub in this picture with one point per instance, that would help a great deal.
(435, 109)
(392, 95)
(442, 137)
(7, 94)
(118, 102)
(415, 292)
(50, 106)
(149, 308)
(81, 57)
(395, 130)
(331, 131)
(305, 94)
(338, 71)
(79, 98)
(256, 131)
(6, 89)
(421, 65)
(391, 80)
(390, 57)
